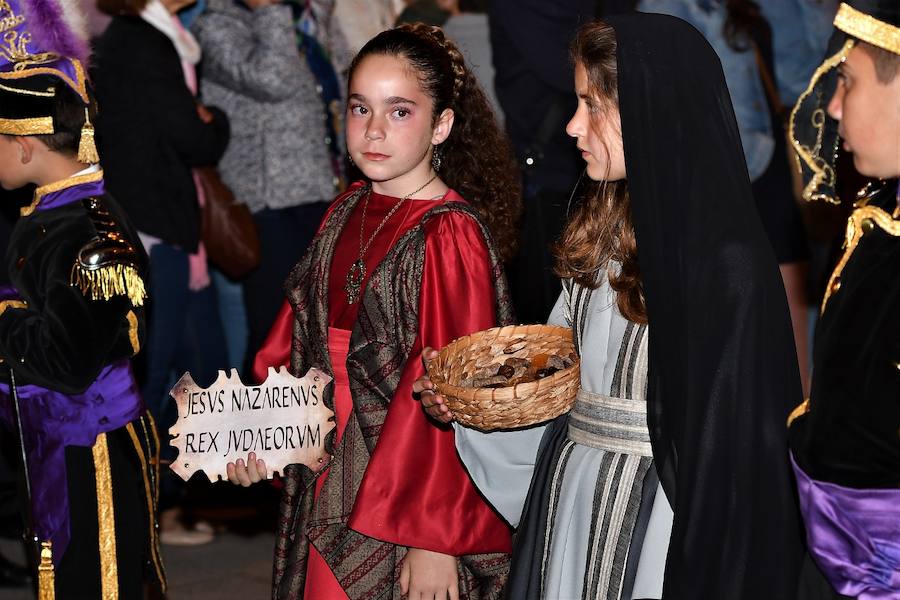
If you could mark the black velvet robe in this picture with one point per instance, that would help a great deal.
(850, 434)
(61, 339)
(65, 337)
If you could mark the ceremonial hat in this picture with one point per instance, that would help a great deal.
(814, 134)
(42, 51)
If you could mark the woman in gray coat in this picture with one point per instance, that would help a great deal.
(278, 160)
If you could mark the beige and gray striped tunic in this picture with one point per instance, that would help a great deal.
(609, 521)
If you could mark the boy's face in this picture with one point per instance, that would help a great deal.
(868, 112)
(13, 172)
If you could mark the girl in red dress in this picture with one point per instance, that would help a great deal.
(407, 259)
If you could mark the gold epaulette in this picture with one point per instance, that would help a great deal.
(107, 265)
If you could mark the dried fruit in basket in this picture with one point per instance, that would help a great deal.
(513, 370)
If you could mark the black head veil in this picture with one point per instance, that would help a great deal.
(723, 370)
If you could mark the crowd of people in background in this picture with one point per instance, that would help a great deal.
(271, 87)
(259, 90)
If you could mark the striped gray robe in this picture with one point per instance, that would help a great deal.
(606, 530)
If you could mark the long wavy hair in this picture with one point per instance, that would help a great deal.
(600, 229)
(476, 159)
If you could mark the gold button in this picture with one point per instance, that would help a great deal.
(897, 365)
(836, 286)
(868, 225)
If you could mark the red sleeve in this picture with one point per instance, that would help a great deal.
(276, 350)
(416, 491)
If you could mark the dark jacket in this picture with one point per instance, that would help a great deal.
(149, 132)
(66, 332)
(849, 435)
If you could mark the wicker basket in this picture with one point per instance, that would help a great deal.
(510, 407)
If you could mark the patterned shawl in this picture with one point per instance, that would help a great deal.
(380, 345)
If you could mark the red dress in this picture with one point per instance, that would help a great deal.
(437, 508)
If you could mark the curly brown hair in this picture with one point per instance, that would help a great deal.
(476, 159)
(600, 230)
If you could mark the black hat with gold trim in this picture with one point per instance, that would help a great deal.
(42, 49)
(813, 134)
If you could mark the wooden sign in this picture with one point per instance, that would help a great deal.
(283, 421)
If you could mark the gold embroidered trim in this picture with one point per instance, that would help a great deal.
(133, 332)
(856, 228)
(155, 435)
(57, 186)
(33, 126)
(23, 70)
(50, 93)
(801, 410)
(106, 520)
(820, 168)
(11, 304)
(151, 504)
(150, 425)
(9, 19)
(108, 281)
(868, 28)
(46, 575)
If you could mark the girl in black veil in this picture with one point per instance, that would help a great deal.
(669, 478)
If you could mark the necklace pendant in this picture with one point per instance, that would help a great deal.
(355, 277)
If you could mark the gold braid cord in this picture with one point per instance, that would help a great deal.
(106, 520)
(861, 221)
(109, 280)
(11, 304)
(46, 578)
(798, 412)
(820, 168)
(151, 496)
(133, 332)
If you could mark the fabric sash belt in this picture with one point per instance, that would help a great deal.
(611, 424)
(51, 421)
(853, 534)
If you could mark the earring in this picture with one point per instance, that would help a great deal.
(350, 158)
(436, 159)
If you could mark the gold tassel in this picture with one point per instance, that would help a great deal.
(46, 578)
(87, 149)
(108, 281)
